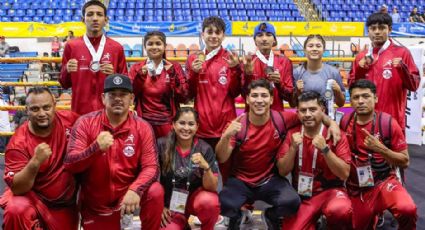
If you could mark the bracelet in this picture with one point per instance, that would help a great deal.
(207, 169)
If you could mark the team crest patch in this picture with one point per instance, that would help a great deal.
(117, 80)
(222, 80)
(387, 74)
(128, 151)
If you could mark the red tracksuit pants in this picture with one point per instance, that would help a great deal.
(390, 195)
(151, 206)
(200, 203)
(333, 203)
(21, 213)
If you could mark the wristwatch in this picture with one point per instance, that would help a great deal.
(325, 150)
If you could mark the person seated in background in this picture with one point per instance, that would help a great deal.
(415, 16)
(4, 47)
(189, 167)
(395, 15)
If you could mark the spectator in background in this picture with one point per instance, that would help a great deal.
(395, 15)
(415, 16)
(4, 47)
(21, 115)
(56, 46)
(384, 9)
(69, 37)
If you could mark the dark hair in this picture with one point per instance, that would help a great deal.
(318, 36)
(363, 84)
(92, 3)
(161, 37)
(39, 90)
(170, 146)
(379, 18)
(214, 21)
(309, 96)
(263, 83)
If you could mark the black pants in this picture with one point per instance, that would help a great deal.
(276, 192)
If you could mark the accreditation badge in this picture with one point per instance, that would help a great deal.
(179, 200)
(95, 66)
(365, 176)
(305, 184)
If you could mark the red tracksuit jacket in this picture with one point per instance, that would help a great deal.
(87, 86)
(130, 163)
(214, 90)
(282, 91)
(391, 82)
(157, 98)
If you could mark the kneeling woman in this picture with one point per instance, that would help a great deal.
(188, 173)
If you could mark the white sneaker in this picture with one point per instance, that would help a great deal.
(196, 220)
(247, 217)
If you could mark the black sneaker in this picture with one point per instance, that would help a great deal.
(271, 222)
(235, 223)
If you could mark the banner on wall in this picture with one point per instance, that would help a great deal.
(406, 29)
(414, 100)
(339, 29)
(37, 29)
(168, 28)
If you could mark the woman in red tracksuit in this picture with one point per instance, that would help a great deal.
(159, 85)
(188, 166)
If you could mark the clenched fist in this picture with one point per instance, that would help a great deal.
(296, 140)
(72, 65)
(105, 140)
(319, 141)
(42, 153)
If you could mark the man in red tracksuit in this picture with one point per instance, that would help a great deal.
(41, 194)
(88, 60)
(372, 184)
(389, 66)
(265, 64)
(115, 152)
(214, 82)
(318, 168)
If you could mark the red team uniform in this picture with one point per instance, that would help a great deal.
(391, 82)
(387, 192)
(51, 203)
(329, 196)
(87, 86)
(158, 97)
(214, 90)
(282, 91)
(130, 163)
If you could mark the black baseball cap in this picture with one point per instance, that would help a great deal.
(117, 81)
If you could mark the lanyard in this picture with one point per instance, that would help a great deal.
(192, 150)
(383, 48)
(95, 55)
(152, 71)
(270, 62)
(300, 150)
(212, 53)
(356, 150)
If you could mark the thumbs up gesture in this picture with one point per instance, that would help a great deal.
(373, 143)
(234, 127)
